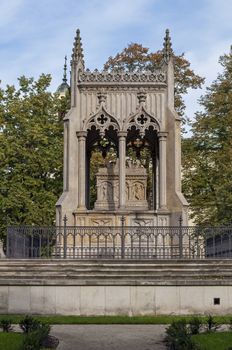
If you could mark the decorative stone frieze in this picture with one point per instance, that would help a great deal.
(157, 76)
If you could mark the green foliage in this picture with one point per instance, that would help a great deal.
(135, 57)
(213, 341)
(31, 342)
(158, 319)
(31, 138)
(29, 324)
(34, 340)
(36, 332)
(11, 341)
(207, 156)
(195, 325)
(6, 325)
(230, 324)
(178, 336)
(211, 324)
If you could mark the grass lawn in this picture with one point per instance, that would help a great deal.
(214, 341)
(11, 341)
(112, 319)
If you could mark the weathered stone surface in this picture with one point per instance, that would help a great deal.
(108, 187)
(129, 110)
(2, 254)
(115, 287)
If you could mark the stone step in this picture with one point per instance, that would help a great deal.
(76, 272)
(117, 277)
(106, 270)
(35, 269)
(120, 275)
(113, 263)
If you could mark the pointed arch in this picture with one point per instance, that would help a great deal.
(102, 120)
(142, 120)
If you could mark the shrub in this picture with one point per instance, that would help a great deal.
(31, 342)
(35, 339)
(211, 325)
(6, 326)
(178, 336)
(195, 325)
(230, 324)
(29, 324)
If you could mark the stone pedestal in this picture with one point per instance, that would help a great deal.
(108, 188)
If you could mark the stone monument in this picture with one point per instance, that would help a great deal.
(131, 111)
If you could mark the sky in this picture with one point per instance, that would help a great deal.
(35, 35)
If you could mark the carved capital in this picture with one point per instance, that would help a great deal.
(162, 135)
(81, 134)
(122, 134)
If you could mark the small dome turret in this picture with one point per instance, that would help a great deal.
(63, 88)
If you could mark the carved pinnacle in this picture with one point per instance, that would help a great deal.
(77, 52)
(167, 46)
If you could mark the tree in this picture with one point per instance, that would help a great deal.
(135, 57)
(208, 154)
(31, 152)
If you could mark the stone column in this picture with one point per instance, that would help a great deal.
(162, 170)
(81, 135)
(122, 168)
(2, 255)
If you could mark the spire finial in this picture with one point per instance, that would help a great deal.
(167, 49)
(77, 48)
(65, 70)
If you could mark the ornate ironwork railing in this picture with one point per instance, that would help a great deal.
(122, 242)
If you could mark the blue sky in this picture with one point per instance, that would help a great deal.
(36, 35)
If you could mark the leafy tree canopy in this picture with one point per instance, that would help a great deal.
(135, 57)
(31, 152)
(208, 154)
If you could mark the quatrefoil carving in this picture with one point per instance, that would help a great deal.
(102, 120)
(142, 121)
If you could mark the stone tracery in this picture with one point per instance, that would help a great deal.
(133, 114)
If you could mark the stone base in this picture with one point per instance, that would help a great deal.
(177, 287)
(113, 218)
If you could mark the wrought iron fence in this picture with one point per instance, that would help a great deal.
(122, 242)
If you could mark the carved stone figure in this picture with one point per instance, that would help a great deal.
(138, 191)
(106, 191)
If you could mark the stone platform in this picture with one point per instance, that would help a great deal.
(115, 287)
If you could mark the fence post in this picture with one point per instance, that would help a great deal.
(8, 242)
(122, 237)
(65, 236)
(180, 238)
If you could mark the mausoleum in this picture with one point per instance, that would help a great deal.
(123, 115)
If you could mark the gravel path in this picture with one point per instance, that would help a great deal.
(109, 337)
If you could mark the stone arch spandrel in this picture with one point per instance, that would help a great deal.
(102, 120)
(141, 120)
